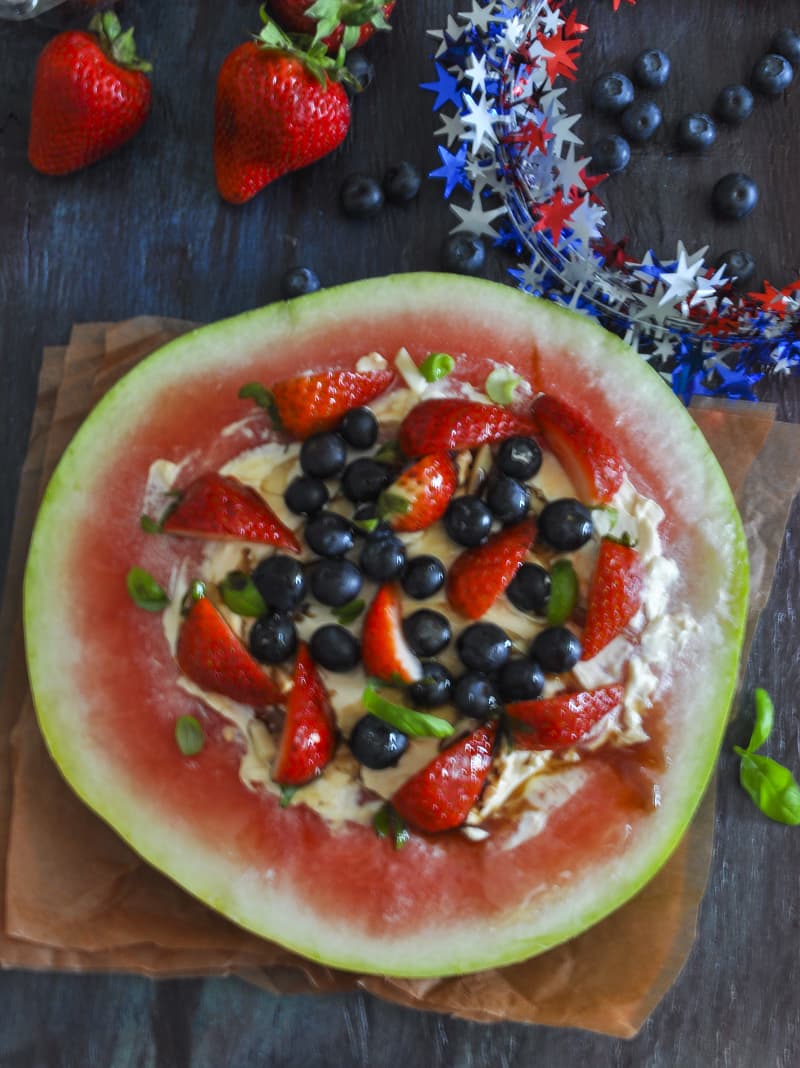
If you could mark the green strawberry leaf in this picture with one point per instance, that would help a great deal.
(239, 593)
(287, 793)
(390, 504)
(350, 611)
(145, 591)
(388, 824)
(407, 720)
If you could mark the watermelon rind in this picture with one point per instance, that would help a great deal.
(440, 313)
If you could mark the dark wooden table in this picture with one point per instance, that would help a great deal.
(146, 232)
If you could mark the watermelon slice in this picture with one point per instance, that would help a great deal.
(104, 681)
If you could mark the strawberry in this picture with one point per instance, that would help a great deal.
(421, 494)
(307, 404)
(563, 719)
(478, 576)
(452, 423)
(588, 456)
(277, 109)
(90, 95)
(220, 507)
(614, 595)
(308, 739)
(211, 655)
(440, 795)
(384, 650)
(336, 22)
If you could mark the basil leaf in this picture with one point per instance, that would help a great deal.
(367, 525)
(772, 787)
(393, 504)
(765, 716)
(437, 365)
(239, 593)
(501, 384)
(145, 591)
(189, 735)
(150, 525)
(350, 611)
(563, 593)
(388, 824)
(389, 453)
(407, 720)
(255, 391)
(287, 793)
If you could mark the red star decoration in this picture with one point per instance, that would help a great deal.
(572, 27)
(618, 2)
(553, 215)
(562, 55)
(770, 300)
(791, 289)
(613, 253)
(532, 136)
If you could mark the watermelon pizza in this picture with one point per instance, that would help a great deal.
(398, 623)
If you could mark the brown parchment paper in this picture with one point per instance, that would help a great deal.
(75, 897)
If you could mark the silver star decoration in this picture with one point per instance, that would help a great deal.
(480, 17)
(452, 30)
(569, 171)
(479, 122)
(476, 72)
(474, 220)
(452, 127)
(550, 20)
(652, 307)
(681, 281)
(586, 221)
(564, 134)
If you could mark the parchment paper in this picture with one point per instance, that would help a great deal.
(76, 898)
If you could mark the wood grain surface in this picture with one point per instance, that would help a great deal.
(145, 231)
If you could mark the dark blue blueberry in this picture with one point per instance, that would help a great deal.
(651, 68)
(383, 557)
(335, 647)
(376, 744)
(529, 590)
(323, 455)
(696, 131)
(786, 43)
(734, 196)
(565, 524)
(305, 495)
(519, 457)
(520, 680)
(298, 281)
(401, 183)
(434, 688)
(361, 69)
(612, 93)
(335, 582)
(424, 576)
(483, 647)
(281, 581)
(330, 534)
(772, 74)
(740, 265)
(468, 520)
(364, 478)
(427, 632)
(609, 155)
(359, 428)
(273, 638)
(734, 104)
(360, 196)
(476, 696)
(508, 498)
(641, 120)
(463, 254)
(557, 649)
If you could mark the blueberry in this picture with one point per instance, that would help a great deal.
(401, 183)
(609, 155)
(651, 68)
(463, 254)
(359, 428)
(529, 590)
(361, 69)
(273, 638)
(786, 43)
(323, 455)
(772, 74)
(520, 680)
(298, 281)
(281, 581)
(476, 696)
(557, 649)
(734, 104)
(508, 499)
(483, 647)
(330, 534)
(519, 457)
(364, 478)
(427, 632)
(468, 520)
(360, 196)
(612, 93)
(641, 120)
(382, 558)
(335, 582)
(740, 265)
(565, 524)
(305, 495)
(424, 576)
(376, 744)
(335, 647)
(734, 196)
(434, 688)
(696, 131)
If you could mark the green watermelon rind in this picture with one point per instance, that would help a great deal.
(207, 874)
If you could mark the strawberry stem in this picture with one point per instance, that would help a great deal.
(118, 44)
(314, 57)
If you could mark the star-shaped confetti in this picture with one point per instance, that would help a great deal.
(452, 170)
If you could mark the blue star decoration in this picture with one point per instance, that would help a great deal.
(446, 88)
(452, 169)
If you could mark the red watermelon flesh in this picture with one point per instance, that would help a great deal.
(104, 681)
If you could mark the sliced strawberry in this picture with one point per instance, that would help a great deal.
(478, 576)
(211, 655)
(307, 404)
(308, 740)
(563, 719)
(220, 507)
(452, 423)
(440, 795)
(421, 494)
(615, 595)
(384, 650)
(588, 456)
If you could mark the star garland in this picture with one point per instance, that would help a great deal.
(518, 164)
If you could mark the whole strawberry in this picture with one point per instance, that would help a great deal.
(335, 22)
(278, 109)
(90, 95)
